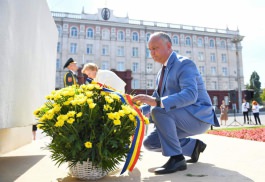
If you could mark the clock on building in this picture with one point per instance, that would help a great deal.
(105, 13)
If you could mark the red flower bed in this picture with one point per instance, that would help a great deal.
(257, 134)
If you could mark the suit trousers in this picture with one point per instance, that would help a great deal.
(172, 131)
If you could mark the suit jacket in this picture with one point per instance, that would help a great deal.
(69, 79)
(183, 87)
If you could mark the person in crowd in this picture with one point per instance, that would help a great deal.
(70, 78)
(245, 108)
(106, 77)
(223, 115)
(255, 111)
(179, 107)
(34, 130)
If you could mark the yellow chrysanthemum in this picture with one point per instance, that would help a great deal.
(79, 114)
(56, 108)
(109, 99)
(66, 103)
(117, 122)
(62, 117)
(59, 123)
(90, 86)
(110, 116)
(131, 117)
(115, 96)
(116, 115)
(36, 112)
(50, 114)
(92, 105)
(70, 120)
(71, 113)
(89, 93)
(89, 101)
(121, 113)
(88, 145)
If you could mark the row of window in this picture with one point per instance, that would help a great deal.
(214, 71)
(135, 52)
(135, 37)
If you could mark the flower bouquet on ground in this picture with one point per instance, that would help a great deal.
(90, 123)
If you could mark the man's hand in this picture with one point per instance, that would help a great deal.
(145, 99)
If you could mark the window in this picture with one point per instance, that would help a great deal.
(226, 98)
(224, 71)
(90, 33)
(149, 84)
(149, 67)
(120, 35)
(73, 32)
(120, 51)
(59, 28)
(188, 41)
(120, 66)
(175, 40)
(201, 69)
(135, 36)
(105, 65)
(200, 42)
(135, 67)
(214, 85)
(211, 43)
(105, 50)
(212, 57)
(135, 84)
(200, 56)
(105, 34)
(148, 37)
(58, 47)
(223, 44)
(135, 52)
(58, 64)
(148, 55)
(224, 58)
(215, 100)
(213, 70)
(89, 48)
(188, 52)
(73, 48)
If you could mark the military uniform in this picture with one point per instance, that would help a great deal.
(69, 78)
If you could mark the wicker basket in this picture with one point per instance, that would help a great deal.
(87, 171)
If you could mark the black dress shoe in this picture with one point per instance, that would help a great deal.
(199, 147)
(172, 166)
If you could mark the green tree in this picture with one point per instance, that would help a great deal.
(255, 85)
(263, 95)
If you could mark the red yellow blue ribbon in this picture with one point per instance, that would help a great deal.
(134, 152)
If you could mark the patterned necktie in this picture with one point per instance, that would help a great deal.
(161, 79)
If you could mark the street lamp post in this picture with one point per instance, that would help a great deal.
(236, 40)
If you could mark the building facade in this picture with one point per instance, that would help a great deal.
(120, 43)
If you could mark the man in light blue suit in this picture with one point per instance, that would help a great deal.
(180, 107)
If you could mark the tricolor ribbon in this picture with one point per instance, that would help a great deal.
(138, 136)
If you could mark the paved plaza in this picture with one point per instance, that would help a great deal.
(225, 159)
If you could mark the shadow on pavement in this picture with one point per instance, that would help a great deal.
(200, 172)
(13, 167)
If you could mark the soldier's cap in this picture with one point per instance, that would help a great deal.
(69, 61)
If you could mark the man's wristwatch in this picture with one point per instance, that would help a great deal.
(158, 102)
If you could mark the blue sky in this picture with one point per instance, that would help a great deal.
(246, 15)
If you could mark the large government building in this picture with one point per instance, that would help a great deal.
(120, 44)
